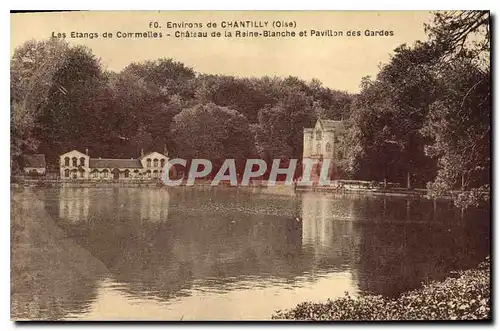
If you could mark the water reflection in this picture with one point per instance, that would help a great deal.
(51, 277)
(208, 252)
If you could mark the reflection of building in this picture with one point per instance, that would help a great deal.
(324, 141)
(34, 164)
(77, 165)
(153, 205)
(74, 203)
(79, 205)
(327, 226)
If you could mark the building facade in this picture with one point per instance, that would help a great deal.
(325, 141)
(78, 165)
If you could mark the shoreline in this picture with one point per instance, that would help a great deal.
(464, 295)
(279, 187)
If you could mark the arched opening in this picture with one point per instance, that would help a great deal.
(75, 162)
(82, 161)
(116, 173)
(162, 163)
(66, 161)
(319, 135)
(155, 163)
(105, 173)
(148, 162)
(66, 172)
(126, 173)
(318, 149)
(328, 147)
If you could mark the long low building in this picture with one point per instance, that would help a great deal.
(78, 165)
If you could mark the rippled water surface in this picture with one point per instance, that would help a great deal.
(224, 253)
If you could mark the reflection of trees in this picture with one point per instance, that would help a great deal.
(415, 243)
(158, 242)
(51, 276)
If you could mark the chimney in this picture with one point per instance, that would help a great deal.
(87, 151)
(165, 152)
(142, 153)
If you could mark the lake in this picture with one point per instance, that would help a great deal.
(225, 253)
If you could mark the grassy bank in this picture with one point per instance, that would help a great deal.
(463, 296)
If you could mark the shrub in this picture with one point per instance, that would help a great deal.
(464, 296)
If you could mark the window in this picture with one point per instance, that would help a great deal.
(126, 173)
(82, 174)
(155, 163)
(75, 162)
(82, 161)
(328, 148)
(341, 155)
(95, 174)
(319, 135)
(148, 163)
(66, 161)
(155, 174)
(318, 149)
(162, 163)
(66, 172)
(105, 174)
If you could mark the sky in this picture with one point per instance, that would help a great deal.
(338, 62)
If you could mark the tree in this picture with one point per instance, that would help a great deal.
(212, 132)
(455, 33)
(280, 130)
(79, 110)
(33, 67)
(459, 125)
(384, 129)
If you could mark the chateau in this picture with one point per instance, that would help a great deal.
(325, 141)
(78, 165)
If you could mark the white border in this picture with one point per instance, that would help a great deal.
(188, 5)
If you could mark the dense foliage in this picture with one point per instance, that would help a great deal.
(466, 296)
(423, 121)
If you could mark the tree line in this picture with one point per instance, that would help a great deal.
(423, 121)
